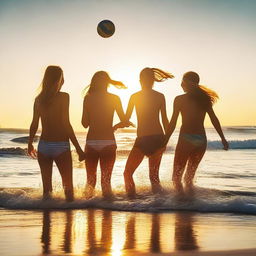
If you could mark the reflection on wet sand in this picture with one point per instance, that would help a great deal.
(103, 232)
(185, 236)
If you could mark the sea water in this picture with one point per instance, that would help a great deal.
(225, 180)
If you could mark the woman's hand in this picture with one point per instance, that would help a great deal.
(81, 155)
(31, 151)
(123, 125)
(225, 144)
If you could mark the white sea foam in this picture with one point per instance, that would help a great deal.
(204, 200)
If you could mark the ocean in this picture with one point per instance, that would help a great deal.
(225, 196)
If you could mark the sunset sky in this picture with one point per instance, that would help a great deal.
(217, 39)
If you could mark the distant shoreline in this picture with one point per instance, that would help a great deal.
(127, 130)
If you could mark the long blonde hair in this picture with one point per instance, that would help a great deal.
(201, 94)
(100, 82)
(50, 85)
(150, 75)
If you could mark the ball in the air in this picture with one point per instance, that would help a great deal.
(106, 28)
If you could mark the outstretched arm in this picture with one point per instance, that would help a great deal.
(69, 128)
(216, 123)
(164, 115)
(85, 116)
(172, 125)
(33, 130)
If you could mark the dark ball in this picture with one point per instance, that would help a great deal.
(106, 28)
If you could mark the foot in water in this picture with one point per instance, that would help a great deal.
(89, 193)
(109, 197)
(132, 195)
(159, 191)
(47, 197)
(189, 190)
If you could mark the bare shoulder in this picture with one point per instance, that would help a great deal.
(179, 99)
(136, 95)
(63, 96)
(158, 93)
(113, 97)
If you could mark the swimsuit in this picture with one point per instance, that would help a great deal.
(148, 145)
(196, 140)
(98, 145)
(99, 148)
(53, 148)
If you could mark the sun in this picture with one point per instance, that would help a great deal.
(130, 77)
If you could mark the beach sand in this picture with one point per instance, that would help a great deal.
(105, 232)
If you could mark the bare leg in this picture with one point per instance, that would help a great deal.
(45, 164)
(107, 161)
(134, 159)
(91, 162)
(154, 164)
(180, 160)
(193, 162)
(64, 164)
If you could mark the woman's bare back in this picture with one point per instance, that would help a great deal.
(148, 104)
(192, 115)
(99, 110)
(53, 118)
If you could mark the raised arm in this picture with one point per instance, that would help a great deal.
(172, 125)
(164, 115)
(68, 127)
(33, 130)
(216, 123)
(85, 116)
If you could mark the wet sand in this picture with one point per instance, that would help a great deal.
(104, 232)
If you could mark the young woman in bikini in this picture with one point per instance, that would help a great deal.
(193, 106)
(149, 104)
(52, 107)
(98, 112)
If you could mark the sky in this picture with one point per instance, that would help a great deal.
(215, 38)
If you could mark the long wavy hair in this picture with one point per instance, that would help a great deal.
(150, 75)
(51, 84)
(204, 96)
(100, 82)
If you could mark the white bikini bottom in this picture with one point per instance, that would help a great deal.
(98, 145)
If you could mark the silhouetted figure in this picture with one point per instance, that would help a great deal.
(149, 104)
(52, 107)
(98, 112)
(185, 236)
(193, 106)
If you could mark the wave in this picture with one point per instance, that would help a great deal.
(243, 129)
(204, 200)
(211, 145)
(233, 144)
(16, 151)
